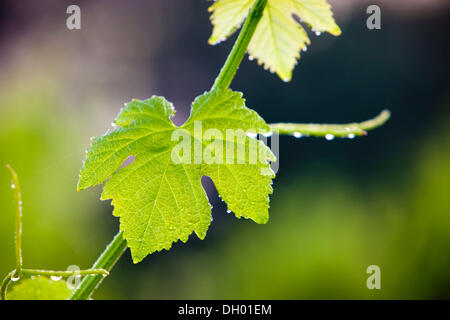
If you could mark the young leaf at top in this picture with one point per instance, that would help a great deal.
(159, 197)
(278, 38)
(39, 288)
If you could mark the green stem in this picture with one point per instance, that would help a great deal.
(5, 284)
(348, 130)
(67, 273)
(236, 55)
(18, 229)
(106, 261)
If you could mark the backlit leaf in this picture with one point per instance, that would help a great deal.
(278, 39)
(159, 197)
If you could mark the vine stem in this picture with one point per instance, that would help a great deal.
(118, 245)
(5, 284)
(348, 130)
(106, 261)
(65, 273)
(18, 228)
(236, 55)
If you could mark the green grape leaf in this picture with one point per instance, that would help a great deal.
(159, 197)
(278, 38)
(39, 288)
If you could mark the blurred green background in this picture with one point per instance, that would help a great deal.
(338, 206)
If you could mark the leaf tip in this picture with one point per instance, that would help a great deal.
(81, 185)
(136, 260)
(285, 77)
(336, 31)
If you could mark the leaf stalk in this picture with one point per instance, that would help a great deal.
(236, 55)
(106, 261)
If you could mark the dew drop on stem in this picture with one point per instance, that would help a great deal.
(14, 277)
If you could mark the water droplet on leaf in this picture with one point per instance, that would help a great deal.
(252, 135)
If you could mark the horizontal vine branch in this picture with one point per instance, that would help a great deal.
(66, 273)
(348, 130)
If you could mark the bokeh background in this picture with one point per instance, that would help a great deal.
(338, 206)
